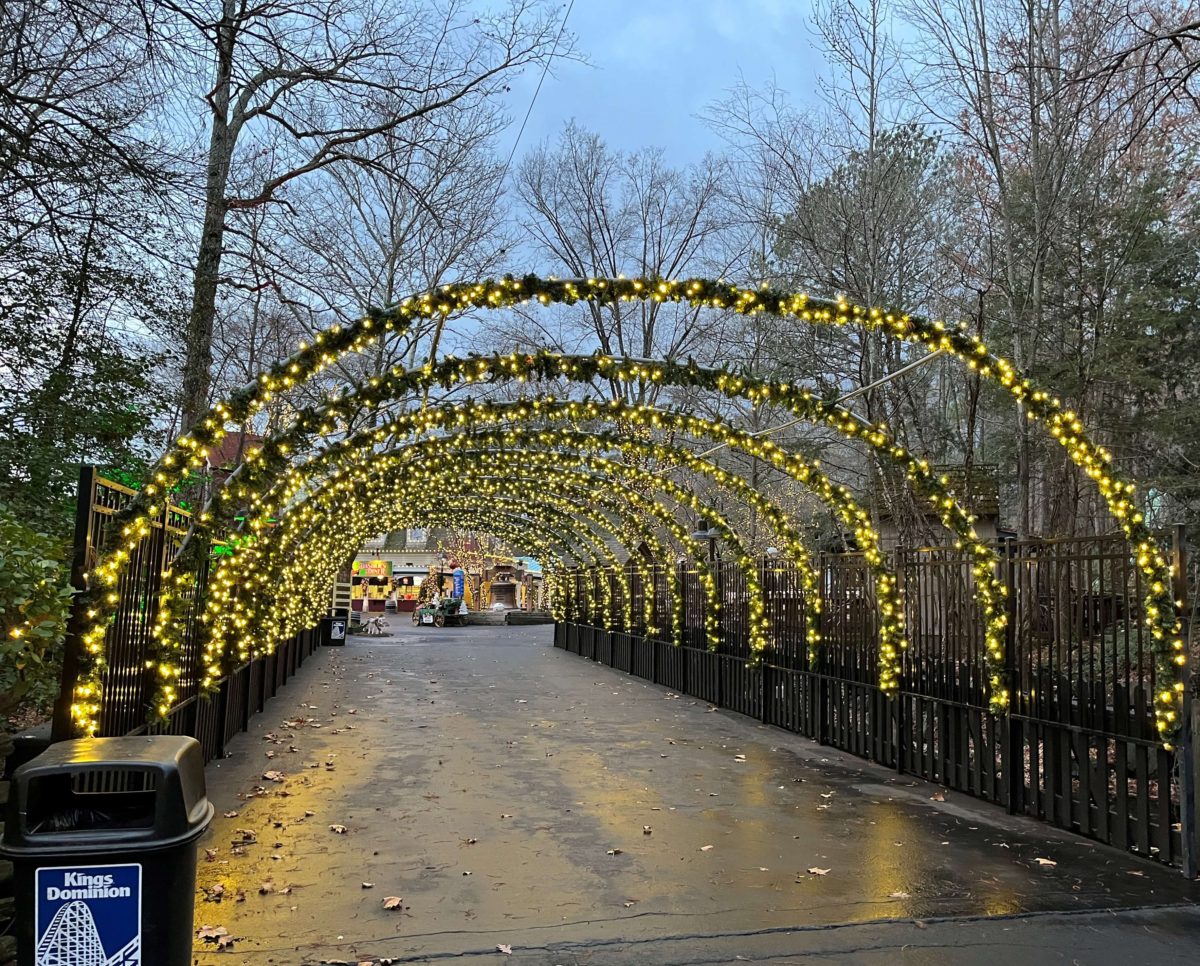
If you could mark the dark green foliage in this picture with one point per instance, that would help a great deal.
(34, 601)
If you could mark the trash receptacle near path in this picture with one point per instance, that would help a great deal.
(102, 836)
(333, 630)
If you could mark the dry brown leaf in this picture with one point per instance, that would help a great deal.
(211, 933)
(938, 797)
(368, 885)
(230, 814)
(614, 852)
(274, 776)
(393, 902)
(706, 848)
(504, 948)
(1045, 862)
(815, 871)
(338, 829)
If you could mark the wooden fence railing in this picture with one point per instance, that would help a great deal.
(1078, 748)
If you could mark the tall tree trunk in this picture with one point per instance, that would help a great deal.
(197, 376)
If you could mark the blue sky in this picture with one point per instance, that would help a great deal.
(656, 64)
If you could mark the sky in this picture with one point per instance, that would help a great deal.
(654, 65)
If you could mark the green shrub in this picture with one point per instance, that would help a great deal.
(35, 598)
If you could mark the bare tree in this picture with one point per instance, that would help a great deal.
(1019, 87)
(592, 211)
(296, 89)
(431, 210)
(858, 200)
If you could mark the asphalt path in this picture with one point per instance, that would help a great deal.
(503, 794)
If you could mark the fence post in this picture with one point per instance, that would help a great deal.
(249, 676)
(1188, 754)
(62, 726)
(822, 659)
(1012, 748)
(899, 560)
(764, 691)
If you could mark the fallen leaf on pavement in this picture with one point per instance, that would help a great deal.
(899, 895)
(706, 848)
(815, 871)
(211, 933)
(504, 948)
(614, 852)
(646, 830)
(1045, 862)
(274, 776)
(368, 885)
(338, 829)
(393, 902)
(938, 797)
(230, 814)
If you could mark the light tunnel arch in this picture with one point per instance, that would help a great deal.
(582, 489)
(462, 482)
(988, 590)
(1039, 405)
(478, 416)
(576, 442)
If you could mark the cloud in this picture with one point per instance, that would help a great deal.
(651, 33)
(754, 21)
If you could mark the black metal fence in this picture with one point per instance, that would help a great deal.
(129, 684)
(1078, 748)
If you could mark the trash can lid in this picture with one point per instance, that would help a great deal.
(94, 794)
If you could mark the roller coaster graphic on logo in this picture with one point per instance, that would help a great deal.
(85, 911)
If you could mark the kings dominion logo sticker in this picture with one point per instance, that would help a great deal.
(89, 916)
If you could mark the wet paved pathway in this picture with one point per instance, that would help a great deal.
(513, 795)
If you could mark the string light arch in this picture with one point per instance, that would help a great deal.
(1038, 405)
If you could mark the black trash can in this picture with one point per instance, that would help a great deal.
(102, 835)
(333, 631)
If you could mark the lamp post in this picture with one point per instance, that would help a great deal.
(710, 536)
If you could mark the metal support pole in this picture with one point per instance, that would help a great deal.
(62, 724)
